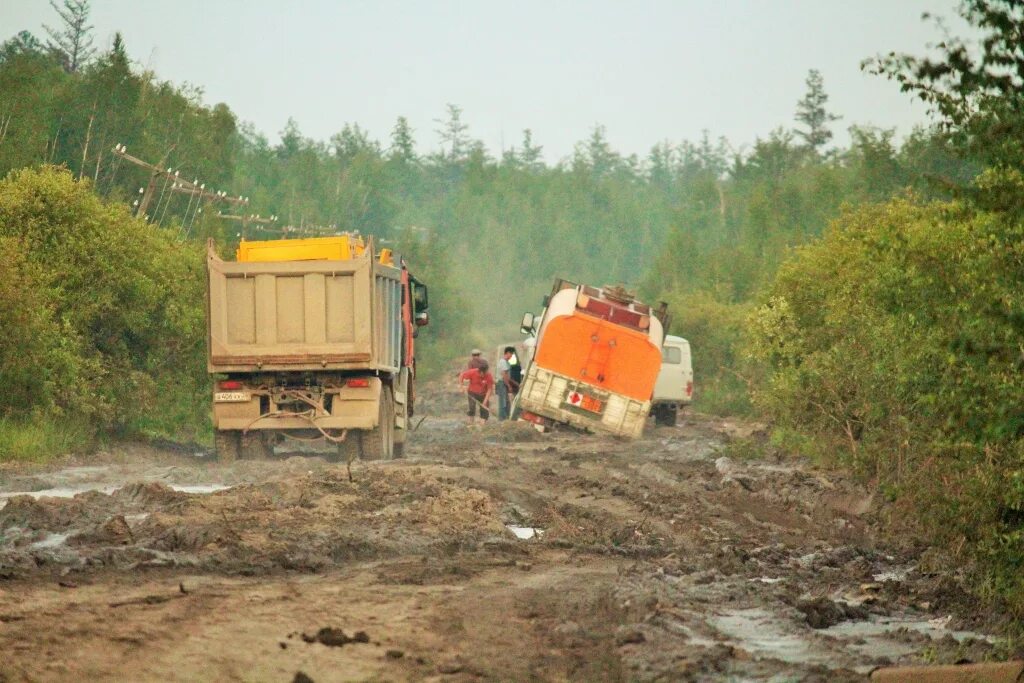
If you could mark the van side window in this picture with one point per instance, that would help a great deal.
(672, 355)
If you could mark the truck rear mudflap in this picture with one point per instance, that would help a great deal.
(581, 405)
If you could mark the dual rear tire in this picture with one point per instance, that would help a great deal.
(231, 445)
(383, 442)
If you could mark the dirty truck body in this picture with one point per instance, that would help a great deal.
(597, 356)
(312, 338)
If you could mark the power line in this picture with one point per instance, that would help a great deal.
(176, 184)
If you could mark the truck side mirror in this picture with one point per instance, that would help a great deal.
(422, 319)
(526, 327)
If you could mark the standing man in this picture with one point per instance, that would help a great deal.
(479, 384)
(503, 388)
(475, 358)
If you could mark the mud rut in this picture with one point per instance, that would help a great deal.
(672, 558)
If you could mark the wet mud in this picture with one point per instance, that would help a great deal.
(491, 553)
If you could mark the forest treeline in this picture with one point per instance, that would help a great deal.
(864, 298)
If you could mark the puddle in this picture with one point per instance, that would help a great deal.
(892, 575)
(200, 488)
(876, 627)
(764, 634)
(71, 491)
(58, 492)
(525, 533)
(51, 541)
(767, 635)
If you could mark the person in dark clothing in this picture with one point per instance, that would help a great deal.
(503, 386)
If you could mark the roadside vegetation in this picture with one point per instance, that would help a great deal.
(102, 315)
(863, 299)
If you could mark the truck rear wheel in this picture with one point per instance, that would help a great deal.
(401, 434)
(379, 442)
(225, 445)
(255, 446)
(347, 449)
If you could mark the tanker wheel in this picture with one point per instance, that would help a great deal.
(379, 442)
(255, 446)
(225, 445)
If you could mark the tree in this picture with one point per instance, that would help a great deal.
(73, 41)
(352, 141)
(530, 154)
(975, 89)
(23, 43)
(811, 112)
(454, 141)
(403, 147)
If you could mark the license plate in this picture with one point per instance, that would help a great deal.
(584, 401)
(592, 404)
(230, 396)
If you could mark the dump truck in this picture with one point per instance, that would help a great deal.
(596, 357)
(312, 339)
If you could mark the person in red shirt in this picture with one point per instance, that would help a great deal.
(479, 385)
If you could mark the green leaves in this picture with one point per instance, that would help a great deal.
(894, 343)
(99, 309)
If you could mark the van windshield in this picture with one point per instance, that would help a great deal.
(672, 355)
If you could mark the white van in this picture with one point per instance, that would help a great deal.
(674, 388)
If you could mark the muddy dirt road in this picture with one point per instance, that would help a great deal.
(488, 554)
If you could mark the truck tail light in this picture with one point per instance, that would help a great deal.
(689, 388)
(358, 383)
(230, 385)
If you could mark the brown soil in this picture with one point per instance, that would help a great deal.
(662, 559)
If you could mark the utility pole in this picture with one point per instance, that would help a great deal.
(194, 188)
(246, 221)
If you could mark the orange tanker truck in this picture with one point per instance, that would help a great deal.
(312, 338)
(596, 360)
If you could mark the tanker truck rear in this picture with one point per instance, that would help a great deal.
(310, 339)
(596, 360)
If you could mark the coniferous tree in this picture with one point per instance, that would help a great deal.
(454, 142)
(530, 154)
(811, 112)
(72, 41)
(403, 147)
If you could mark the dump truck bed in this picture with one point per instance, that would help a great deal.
(304, 315)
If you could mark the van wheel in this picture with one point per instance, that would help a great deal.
(225, 445)
(379, 442)
(665, 416)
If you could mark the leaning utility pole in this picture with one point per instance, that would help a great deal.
(195, 188)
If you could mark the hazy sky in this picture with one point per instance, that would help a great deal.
(646, 70)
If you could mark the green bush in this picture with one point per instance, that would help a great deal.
(103, 316)
(893, 343)
(715, 331)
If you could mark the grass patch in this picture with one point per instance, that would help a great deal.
(40, 440)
